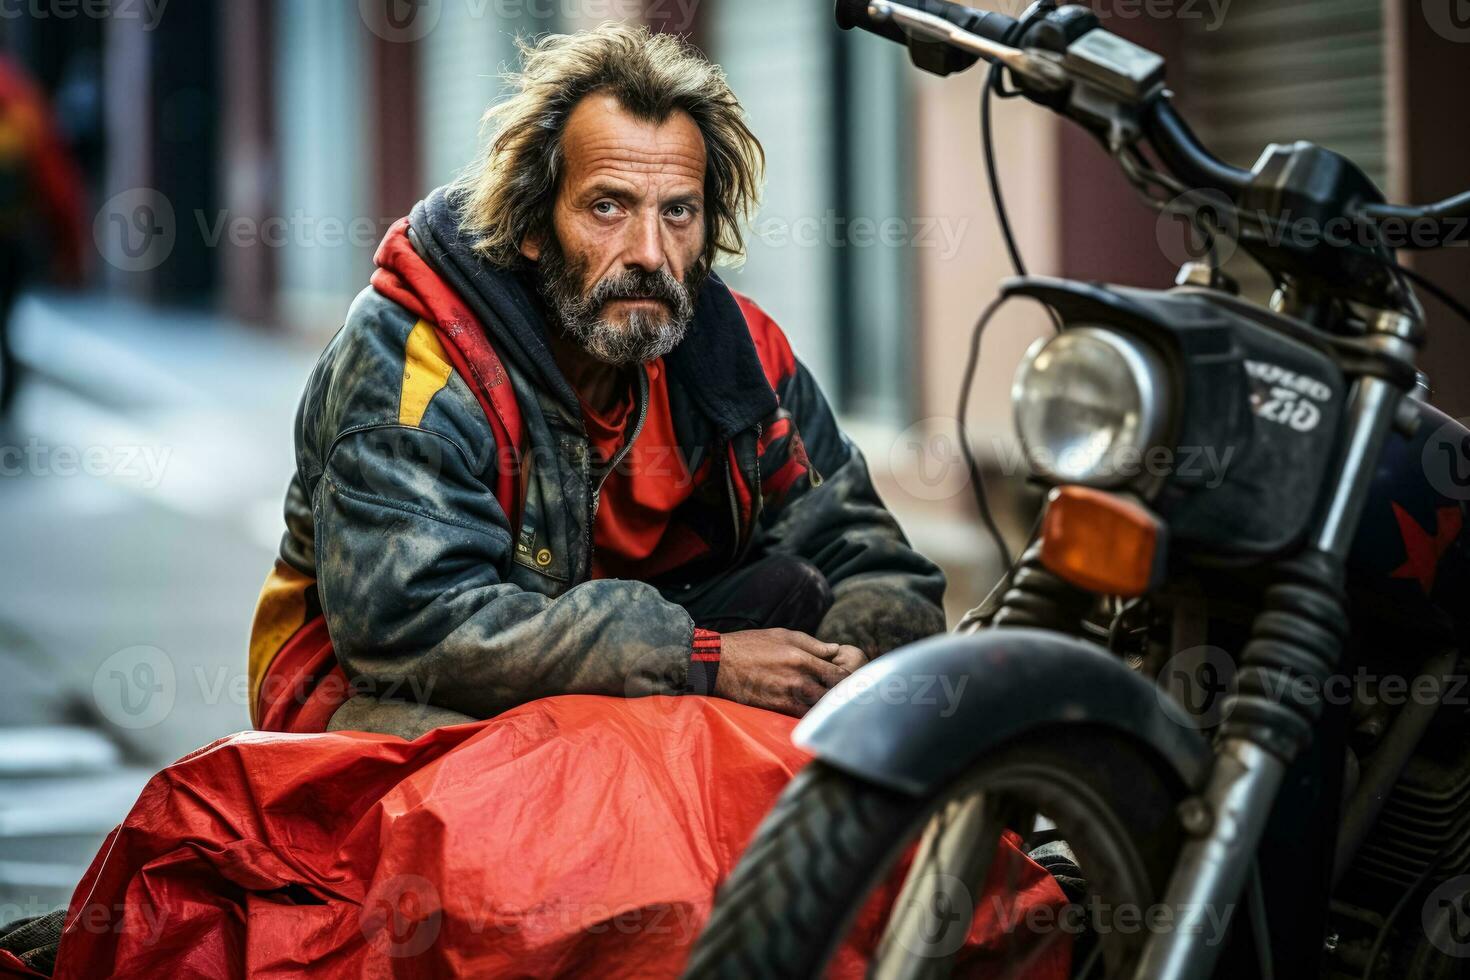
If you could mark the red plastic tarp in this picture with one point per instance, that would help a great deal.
(571, 836)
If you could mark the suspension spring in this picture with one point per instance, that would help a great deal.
(1039, 599)
(1296, 643)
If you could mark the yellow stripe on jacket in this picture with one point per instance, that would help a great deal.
(426, 370)
(279, 613)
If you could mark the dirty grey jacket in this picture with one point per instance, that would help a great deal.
(431, 595)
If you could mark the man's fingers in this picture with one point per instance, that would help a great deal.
(850, 658)
(801, 695)
(828, 674)
(813, 646)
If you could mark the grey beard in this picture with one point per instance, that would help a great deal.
(645, 336)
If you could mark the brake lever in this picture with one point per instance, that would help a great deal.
(1042, 72)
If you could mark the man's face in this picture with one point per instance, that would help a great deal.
(626, 262)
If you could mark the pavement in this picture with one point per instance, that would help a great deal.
(141, 478)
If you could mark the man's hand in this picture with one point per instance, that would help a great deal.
(781, 670)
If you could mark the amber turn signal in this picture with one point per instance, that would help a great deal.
(1101, 542)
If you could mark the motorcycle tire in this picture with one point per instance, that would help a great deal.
(832, 838)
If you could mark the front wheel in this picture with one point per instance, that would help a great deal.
(828, 846)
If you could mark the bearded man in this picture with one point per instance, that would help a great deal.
(550, 452)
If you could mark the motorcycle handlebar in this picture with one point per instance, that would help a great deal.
(1186, 157)
(1166, 130)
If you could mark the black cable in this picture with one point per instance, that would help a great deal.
(993, 83)
(1451, 207)
(1141, 173)
(982, 500)
(1459, 309)
(987, 138)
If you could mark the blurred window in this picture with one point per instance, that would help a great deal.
(830, 254)
(462, 61)
(321, 59)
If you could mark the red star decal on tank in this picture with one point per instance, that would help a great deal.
(1424, 550)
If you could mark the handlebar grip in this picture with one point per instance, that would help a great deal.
(987, 24)
(854, 13)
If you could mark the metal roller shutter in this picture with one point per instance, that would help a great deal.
(1276, 72)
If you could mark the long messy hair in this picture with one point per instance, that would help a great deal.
(509, 193)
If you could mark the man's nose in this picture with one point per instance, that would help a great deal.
(645, 247)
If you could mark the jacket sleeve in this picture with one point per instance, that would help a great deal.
(409, 543)
(886, 594)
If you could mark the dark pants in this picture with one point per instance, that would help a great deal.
(776, 592)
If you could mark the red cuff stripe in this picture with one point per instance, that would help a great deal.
(706, 646)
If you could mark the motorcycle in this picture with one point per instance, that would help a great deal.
(1236, 707)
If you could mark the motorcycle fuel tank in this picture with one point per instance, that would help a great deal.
(1411, 555)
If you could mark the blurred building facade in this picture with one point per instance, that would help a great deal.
(280, 138)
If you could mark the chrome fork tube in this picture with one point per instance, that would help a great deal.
(1228, 819)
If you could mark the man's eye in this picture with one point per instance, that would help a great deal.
(605, 207)
(680, 211)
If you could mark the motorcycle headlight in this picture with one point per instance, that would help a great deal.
(1089, 403)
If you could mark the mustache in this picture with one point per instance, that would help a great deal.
(644, 335)
(643, 284)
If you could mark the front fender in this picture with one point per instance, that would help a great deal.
(916, 717)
